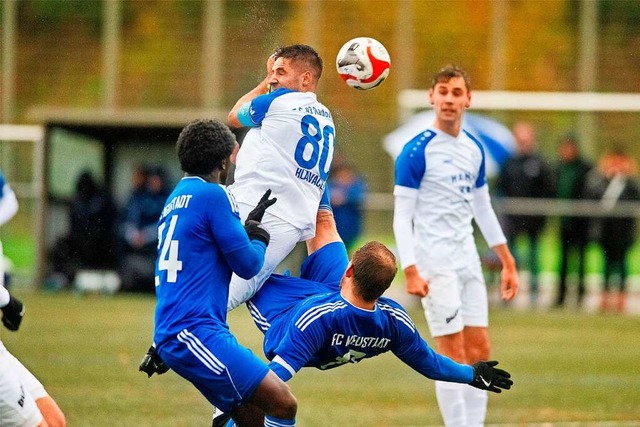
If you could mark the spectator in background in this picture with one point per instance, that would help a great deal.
(347, 190)
(571, 175)
(139, 232)
(91, 242)
(614, 181)
(526, 175)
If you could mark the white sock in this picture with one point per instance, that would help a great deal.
(451, 402)
(475, 404)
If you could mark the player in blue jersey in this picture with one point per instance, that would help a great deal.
(335, 314)
(289, 149)
(440, 186)
(201, 242)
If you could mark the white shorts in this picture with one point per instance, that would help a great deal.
(19, 390)
(456, 298)
(283, 238)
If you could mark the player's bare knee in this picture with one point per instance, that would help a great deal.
(286, 405)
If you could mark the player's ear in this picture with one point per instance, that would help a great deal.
(431, 96)
(468, 103)
(349, 272)
(306, 79)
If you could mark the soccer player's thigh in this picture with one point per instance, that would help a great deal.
(226, 373)
(442, 305)
(475, 305)
(327, 264)
(17, 406)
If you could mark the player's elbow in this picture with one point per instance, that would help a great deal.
(232, 119)
(251, 264)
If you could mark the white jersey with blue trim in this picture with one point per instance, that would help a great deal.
(445, 171)
(288, 150)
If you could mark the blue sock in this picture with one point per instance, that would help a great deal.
(325, 200)
(270, 421)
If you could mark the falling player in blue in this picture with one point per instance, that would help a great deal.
(335, 314)
(201, 242)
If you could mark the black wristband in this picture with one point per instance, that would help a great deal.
(255, 231)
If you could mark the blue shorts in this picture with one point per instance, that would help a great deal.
(210, 357)
(320, 273)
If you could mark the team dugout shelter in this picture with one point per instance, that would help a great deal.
(110, 145)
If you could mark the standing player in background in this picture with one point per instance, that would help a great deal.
(201, 242)
(23, 400)
(288, 149)
(440, 187)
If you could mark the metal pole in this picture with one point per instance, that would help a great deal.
(212, 53)
(312, 16)
(498, 45)
(8, 60)
(110, 52)
(587, 71)
(402, 67)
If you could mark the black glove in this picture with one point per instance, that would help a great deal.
(258, 212)
(486, 377)
(152, 363)
(221, 420)
(12, 314)
(256, 231)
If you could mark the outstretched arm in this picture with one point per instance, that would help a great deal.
(415, 352)
(243, 102)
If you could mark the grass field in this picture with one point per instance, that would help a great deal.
(567, 367)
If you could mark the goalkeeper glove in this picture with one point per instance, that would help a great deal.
(12, 314)
(152, 363)
(258, 212)
(486, 377)
(256, 231)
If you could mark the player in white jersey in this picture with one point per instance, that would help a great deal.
(440, 187)
(288, 149)
(23, 400)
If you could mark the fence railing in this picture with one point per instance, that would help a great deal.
(530, 206)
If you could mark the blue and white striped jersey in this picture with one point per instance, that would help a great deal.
(201, 242)
(441, 173)
(289, 150)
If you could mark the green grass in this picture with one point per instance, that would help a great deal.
(567, 367)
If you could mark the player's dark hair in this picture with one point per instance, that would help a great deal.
(374, 267)
(203, 145)
(449, 72)
(302, 53)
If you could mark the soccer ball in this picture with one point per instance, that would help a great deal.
(363, 63)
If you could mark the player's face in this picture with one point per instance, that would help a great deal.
(449, 100)
(285, 74)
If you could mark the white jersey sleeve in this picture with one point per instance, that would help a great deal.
(486, 218)
(8, 201)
